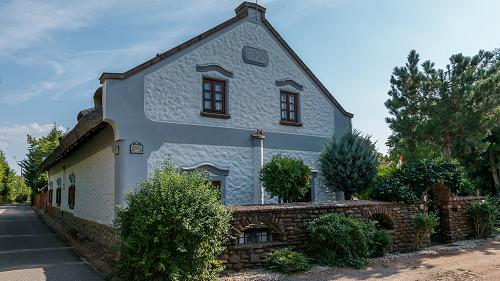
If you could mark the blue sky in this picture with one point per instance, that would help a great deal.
(52, 52)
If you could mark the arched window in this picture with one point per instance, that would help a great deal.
(256, 233)
(217, 177)
(382, 221)
(58, 192)
(51, 193)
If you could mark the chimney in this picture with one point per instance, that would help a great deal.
(250, 9)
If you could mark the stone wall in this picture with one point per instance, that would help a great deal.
(287, 223)
(453, 224)
(103, 234)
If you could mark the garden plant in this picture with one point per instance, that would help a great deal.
(287, 261)
(286, 178)
(349, 163)
(336, 239)
(483, 215)
(173, 228)
(425, 224)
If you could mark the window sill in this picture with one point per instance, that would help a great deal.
(215, 115)
(261, 245)
(291, 123)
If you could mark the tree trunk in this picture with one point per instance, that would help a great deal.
(447, 147)
(495, 171)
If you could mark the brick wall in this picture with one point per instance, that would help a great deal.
(287, 223)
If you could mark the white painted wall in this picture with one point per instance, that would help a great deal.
(173, 93)
(94, 182)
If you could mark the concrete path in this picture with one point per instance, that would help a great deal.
(29, 250)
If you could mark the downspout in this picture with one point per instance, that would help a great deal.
(259, 134)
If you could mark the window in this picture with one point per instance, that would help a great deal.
(51, 193)
(255, 235)
(289, 109)
(58, 196)
(214, 98)
(71, 197)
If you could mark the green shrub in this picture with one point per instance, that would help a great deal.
(425, 225)
(335, 239)
(393, 191)
(349, 163)
(408, 183)
(285, 177)
(483, 215)
(287, 261)
(378, 241)
(173, 229)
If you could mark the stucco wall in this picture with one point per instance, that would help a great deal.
(161, 104)
(94, 170)
(173, 92)
(243, 164)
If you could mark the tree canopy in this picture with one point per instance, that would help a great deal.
(451, 112)
(38, 150)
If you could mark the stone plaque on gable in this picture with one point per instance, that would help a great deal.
(255, 56)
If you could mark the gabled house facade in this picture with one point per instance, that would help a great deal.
(225, 101)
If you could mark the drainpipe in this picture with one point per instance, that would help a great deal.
(259, 135)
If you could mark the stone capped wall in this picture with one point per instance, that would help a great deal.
(287, 223)
(103, 234)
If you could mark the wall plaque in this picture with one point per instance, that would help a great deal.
(255, 56)
(136, 148)
(116, 150)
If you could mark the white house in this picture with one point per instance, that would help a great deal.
(226, 100)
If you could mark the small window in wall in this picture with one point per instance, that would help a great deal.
(214, 97)
(289, 109)
(51, 193)
(71, 197)
(217, 184)
(58, 196)
(255, 235)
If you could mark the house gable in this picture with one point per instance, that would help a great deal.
(244, 11)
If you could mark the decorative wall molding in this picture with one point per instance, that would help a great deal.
(255, 56)
(209, 167)
(290, 82)
(214, 67)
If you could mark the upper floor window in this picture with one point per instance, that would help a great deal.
(214, 98)
(289, 109)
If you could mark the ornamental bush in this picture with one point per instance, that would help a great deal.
(392, 190)
(349, 163)
(483, 215)
(173, 228)
(412, 179)
(335, 239)
(425, 225)
(287, 261)
(286, 178)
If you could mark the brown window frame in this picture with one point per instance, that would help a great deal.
(71, 197)
(287, 120)
(58, 196)
(51, 193)
(212, 111)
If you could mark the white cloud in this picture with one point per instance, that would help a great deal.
(27, 22)
(13, 139)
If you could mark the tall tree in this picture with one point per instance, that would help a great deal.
(38, 150)
(3, 171)
(453, 109)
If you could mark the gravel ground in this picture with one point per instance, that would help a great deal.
(460, 261)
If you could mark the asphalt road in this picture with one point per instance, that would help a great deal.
(29, 250)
